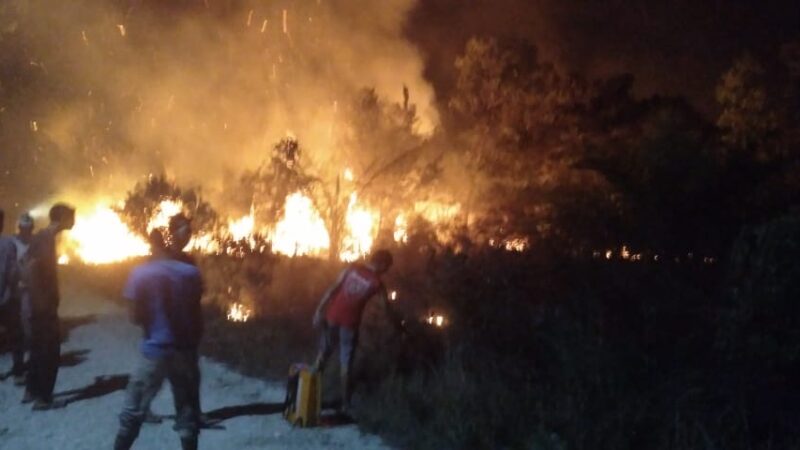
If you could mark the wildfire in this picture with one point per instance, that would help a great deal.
(238, 313)
(102, 238)
(242, 229)
(361, 228)
(401, 229)
(437, 320)
(301, 231)
(162, 214)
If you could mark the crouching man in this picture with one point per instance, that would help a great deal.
(339, 314)
(165, 299)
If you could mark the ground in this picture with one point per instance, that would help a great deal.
(98, 354)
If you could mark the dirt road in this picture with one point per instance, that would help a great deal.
(96, 359)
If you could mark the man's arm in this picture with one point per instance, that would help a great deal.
(326, 298)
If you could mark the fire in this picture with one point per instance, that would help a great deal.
(163, 212)
(361, 226)
(437, 320)
(102, 238)
(242, 229)
(393, 296)
(516, 244)
(436, 212)
(401, 229)
(301, 231)
(63, 260)
(238, 313)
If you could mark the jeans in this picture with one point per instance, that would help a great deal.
(181, 369)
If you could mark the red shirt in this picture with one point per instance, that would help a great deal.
(350, 298)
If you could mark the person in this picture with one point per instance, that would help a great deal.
(9, 302)
(339, 312)
(165, 297)
(22, 240)
(40, 275)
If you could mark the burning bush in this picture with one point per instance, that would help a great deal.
(150, 205)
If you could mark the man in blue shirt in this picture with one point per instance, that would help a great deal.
(165, 294)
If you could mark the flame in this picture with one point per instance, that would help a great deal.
(393, 296)
(516, 244)
(401, 229)
(102, 238)
(435, 212)
(348, 174)
(301, 231)
(63, 260)
(242, 229)
(361, 226)
(163, 212)
(238, 313)
(437, 320)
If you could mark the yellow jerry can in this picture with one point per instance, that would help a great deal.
(303, 396)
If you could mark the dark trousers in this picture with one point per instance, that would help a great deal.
(11, 319)
(181, 369)
(45, 357)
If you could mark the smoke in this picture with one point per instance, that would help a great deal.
(97, 94)
(672, 47)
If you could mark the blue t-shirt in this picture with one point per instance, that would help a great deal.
(169, 292)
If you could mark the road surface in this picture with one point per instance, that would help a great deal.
(99, 353)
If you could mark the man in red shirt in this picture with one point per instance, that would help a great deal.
(339, 314)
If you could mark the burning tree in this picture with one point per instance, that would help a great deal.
(144, 202)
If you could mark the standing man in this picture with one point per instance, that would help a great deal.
(9, 302)
(40, 275)
(340, 310)
(22, 241)
(165, 297)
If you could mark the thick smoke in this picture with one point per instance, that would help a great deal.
(96, 94)
(673, 47)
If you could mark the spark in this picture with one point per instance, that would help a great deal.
(285, 22)
(249, 17)
(121, 28)
(264, 26)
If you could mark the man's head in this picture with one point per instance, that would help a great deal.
(62, 216)
(25, 224)
(180, 231)
(381, 261)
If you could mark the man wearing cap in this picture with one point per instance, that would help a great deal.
(40, 275)
(9, 301)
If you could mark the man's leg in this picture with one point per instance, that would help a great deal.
(33, 380)
(50, 358)
(348, 340)
(183, 374)
(327, 339)
(17, 339)
(10, 319)
(142, 388)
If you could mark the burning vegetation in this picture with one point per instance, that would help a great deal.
(563, 241)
